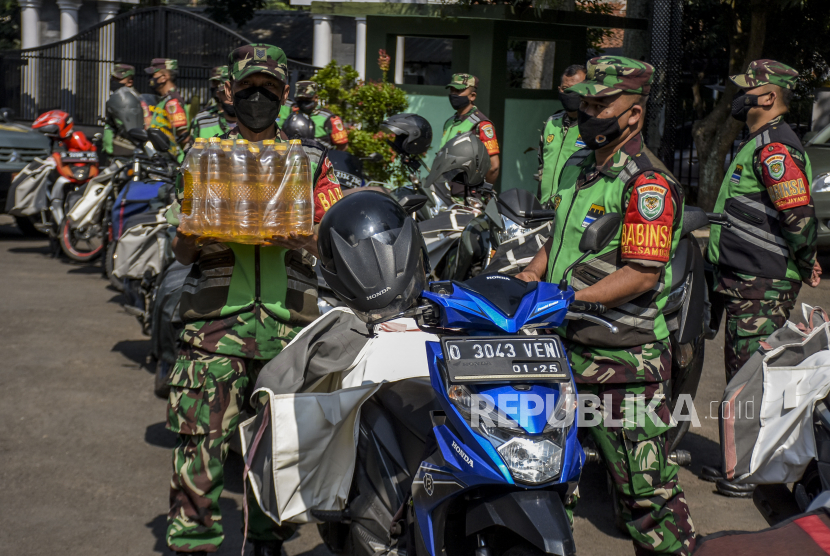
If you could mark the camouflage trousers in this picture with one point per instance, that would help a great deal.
(208, 392)
(748, 323)
(651, 501)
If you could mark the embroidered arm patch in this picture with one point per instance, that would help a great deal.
(326, 190)
(647, 226)
(487, 134)
(785, 182)
(176, 112)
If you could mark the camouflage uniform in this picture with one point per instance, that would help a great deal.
(651, 502)
(211, 121)
(169, 114)
(228, 337)
(758, 305)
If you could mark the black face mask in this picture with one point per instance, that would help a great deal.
(154, 83)
(306, 106)
(570, 101)
(742, 103)
(257, 108)
(598, 132)
(229, 109)
(458, 102)
(115, 85)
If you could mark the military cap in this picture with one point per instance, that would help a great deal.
(123, 71)
(766, 72)
(305, 89)
(219, 73)
(461, 81)
(162, 63)
(258, 58)
(612, 75)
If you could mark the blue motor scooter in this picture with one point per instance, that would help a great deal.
(480, 459)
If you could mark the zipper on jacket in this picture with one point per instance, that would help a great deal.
(256, 273)
(565, 225)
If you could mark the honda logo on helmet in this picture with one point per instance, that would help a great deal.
(378, 294)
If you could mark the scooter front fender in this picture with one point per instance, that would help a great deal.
(88, 207)
(538, 516)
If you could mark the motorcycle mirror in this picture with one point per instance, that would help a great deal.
(492, 212)
(138, 136)
(159, 140)
(600, 233)
(413, 203)
(7, 115)
(595, 238)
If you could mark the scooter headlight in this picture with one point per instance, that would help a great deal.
(532, 460)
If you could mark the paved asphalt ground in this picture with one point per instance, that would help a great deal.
(85, 457)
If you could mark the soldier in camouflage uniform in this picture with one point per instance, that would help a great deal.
(169, 114)
(328, 127)
(629, 276)
(122, 75)
(769, 247)
(219, 117)
(241, 304)
(463, 90)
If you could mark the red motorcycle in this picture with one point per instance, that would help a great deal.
(42, 190)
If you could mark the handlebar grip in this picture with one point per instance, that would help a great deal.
(587, 307)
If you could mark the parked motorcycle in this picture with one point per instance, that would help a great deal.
(40, 191)
(494, 485)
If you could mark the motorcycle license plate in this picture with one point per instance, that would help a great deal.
(72, 157)
(348, 180)
(500, 359)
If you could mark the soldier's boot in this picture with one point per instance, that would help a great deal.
(268, 548)
(710, 474)
(734, 490)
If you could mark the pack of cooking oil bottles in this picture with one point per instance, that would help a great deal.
(246, 192)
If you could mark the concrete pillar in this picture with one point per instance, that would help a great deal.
(69, 17)
(321, 55)
(29, 23)
(360, 46)
(107, 10)
(399, 58)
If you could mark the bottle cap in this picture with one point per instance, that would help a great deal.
(213, 140)
(295, 142)
(282, 147)
(267, 142)
(201, 140)
(241, 141)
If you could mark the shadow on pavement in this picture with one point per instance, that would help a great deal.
(83, 268)
(134, 350)
(42, 249)
(158, 435)
(704, 451)
(595, 500)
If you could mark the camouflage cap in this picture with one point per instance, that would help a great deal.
(219, 73)
(162, 63)
(764, 72)
(258, 58)
(305, 89)
(461, 81)
(122, 71)
(612, 75)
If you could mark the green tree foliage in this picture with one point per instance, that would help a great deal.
(9, 25)
(595, 36)
(363, 106)
(239, 12)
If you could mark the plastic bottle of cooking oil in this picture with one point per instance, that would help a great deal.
(216, 176)
(227, 145)
(190, 221)
(244, 198)
(296, 197)
(271, 172)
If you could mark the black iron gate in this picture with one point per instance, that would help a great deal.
(73, 75)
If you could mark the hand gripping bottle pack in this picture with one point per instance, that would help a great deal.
(192, 210)
(215, 166)
(244, 197)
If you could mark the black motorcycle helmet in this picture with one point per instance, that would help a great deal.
(464, 160)
(124, 108)
(372, 255)
(413, 134)
(298, 126)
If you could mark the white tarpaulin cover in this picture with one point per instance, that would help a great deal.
(300, 448)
